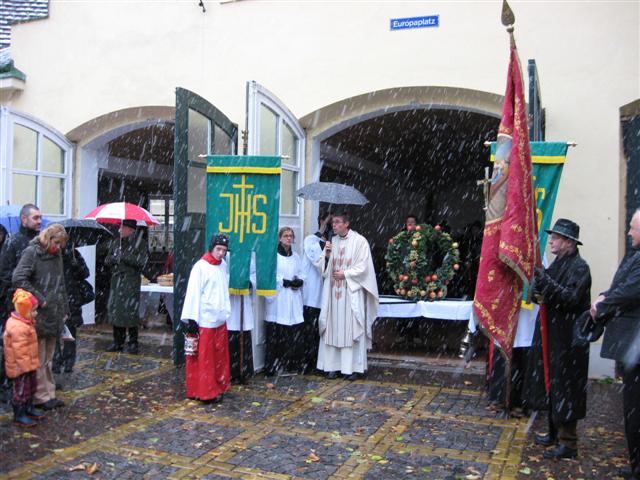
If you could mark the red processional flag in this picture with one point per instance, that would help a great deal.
(509, 246)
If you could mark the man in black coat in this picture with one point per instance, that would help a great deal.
(30, 221)
(565, 290)
(619, 307)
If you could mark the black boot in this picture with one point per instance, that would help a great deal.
(545, 440)
(561, 451)
(33, 412)
(20, 417)
(115, 348)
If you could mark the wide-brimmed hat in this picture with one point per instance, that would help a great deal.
(566, 228)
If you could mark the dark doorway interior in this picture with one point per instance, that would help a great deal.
(425, 162)
(140, 167)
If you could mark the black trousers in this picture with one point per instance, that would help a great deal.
(66, 356)
(120, 334)
(311, 338)
(631, 405)
(497, 383)
(234, 355)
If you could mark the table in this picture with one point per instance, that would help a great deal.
(150, 297)
(396, 307)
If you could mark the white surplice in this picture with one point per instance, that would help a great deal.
(285, 307)
(207, 298)
(233, 324)
(312, 289)
(349, 307)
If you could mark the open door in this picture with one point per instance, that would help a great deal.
(201, 129)
(274, 130)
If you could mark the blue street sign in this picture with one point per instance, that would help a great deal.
(415, 22)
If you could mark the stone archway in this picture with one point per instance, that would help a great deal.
(122, 155)
(417, 150)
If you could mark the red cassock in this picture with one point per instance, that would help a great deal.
(208, 373)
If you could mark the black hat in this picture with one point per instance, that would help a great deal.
(130, 223)
(566, 228)
(219, 239)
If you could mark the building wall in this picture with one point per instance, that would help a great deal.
(92, 58)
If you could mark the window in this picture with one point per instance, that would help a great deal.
(161, 236)
(277, 137)
(37, 162)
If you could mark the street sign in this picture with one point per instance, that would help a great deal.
(415, 22)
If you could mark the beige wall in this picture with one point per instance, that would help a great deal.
(92, 58)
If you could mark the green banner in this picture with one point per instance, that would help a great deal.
(548, 160)
(243, 201)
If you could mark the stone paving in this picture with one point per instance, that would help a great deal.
(127, 418)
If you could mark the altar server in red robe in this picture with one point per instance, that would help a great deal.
(205, 314)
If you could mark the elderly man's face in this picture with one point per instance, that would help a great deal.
(634, 230)
(33, 220)
(560, 245)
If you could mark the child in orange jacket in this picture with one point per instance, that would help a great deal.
(21, 357)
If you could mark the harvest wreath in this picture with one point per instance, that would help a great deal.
(421, 262)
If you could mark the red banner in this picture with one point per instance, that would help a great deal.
(509, 250)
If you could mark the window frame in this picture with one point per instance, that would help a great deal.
(8, 120)
(283, 117)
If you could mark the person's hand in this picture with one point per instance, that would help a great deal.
(338, 275)
(594, 306)
(191, 327)
(539, 280)
(113, 259)
(327, 249)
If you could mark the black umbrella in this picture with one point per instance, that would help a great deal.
(84, 231)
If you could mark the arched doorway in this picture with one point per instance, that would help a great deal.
(125, 155)
(415, 150)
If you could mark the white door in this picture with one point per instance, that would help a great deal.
(274, 130)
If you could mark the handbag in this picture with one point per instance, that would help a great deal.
(586, 330)
(85, 292)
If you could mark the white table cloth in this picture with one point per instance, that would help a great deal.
(396, 307)
(150, 298)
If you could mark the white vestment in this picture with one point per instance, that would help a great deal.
(312, 289)
(233, 324)
(207, 297)
(349, 306)
(285, 307)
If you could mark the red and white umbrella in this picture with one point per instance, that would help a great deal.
(119, 211)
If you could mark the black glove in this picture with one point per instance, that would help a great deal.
(286, 283)
(296, 283)
(539, 280)
(191, 327)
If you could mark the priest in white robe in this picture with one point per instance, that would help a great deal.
(349, 302)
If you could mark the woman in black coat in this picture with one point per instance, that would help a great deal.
(79, 293)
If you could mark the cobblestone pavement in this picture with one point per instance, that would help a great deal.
(126, 417)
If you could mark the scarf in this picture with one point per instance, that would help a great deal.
(207, 257)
